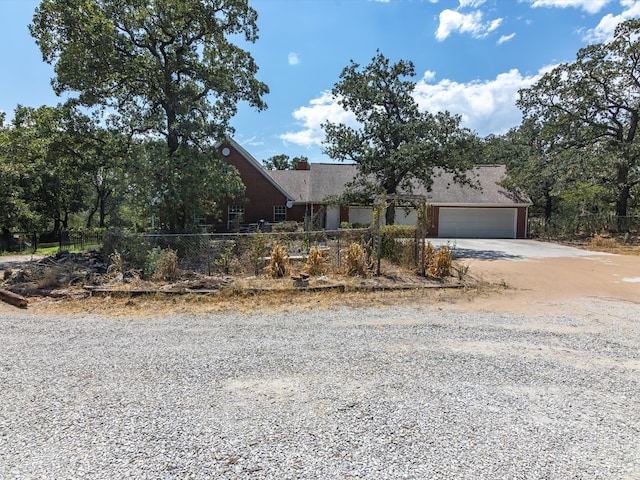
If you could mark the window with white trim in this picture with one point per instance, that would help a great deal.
(235, 216)
(279, 213)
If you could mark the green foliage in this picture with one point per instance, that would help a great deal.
(397, 144)
(166, 69)
(283, 162)
(165, 66)
(225, 256)
(177, 197)
(258, 251)
(161, 264)
(590, 108)
(397, 243)
(131, 248)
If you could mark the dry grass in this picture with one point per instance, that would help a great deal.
(279, 262)
(50, 277)
(437, 263)
(355, 261)
(621, 246)
(117, 264)
(166, 267)
(317, 261)
(284, 300)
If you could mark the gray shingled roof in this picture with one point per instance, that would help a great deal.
(325, 179)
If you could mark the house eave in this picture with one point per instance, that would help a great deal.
(479, 205)
(251, 159)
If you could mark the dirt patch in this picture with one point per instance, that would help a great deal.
(543, 284)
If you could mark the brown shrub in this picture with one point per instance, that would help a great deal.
(441, 265)
(279, 262)
(355, 260)
(317, 261)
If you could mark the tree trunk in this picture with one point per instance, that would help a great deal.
(172, 134)
(390, 214)
(548, 205)
(103, 213)
(92, 212)
(622, 202)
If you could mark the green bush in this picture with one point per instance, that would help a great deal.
(397, 242)
(161, 264)
(288, 226)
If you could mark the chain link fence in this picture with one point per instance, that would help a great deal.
(29, 242)
(583, 225)
(223, 254)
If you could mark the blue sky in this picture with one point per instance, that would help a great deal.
(471, 57)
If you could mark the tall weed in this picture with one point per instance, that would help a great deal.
(279, 262)
(317, 261)
(355, 260)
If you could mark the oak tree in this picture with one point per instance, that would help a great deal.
(394, 144)
(164, 68)
(592, 107)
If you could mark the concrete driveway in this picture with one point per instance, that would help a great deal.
(499, 249)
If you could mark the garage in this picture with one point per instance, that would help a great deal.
(477, 222)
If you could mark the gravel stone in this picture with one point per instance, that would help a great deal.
(408, 392)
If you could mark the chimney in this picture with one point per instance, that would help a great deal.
(302, 165)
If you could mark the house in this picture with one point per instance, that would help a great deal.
(487, 210)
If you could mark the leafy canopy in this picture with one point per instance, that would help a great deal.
(394, 144)
(162, 69)
(164, 66)
(592, 107)
(283, 162)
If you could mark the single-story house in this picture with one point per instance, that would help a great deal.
(488, 210)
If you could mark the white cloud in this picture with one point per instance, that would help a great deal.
(320, 110)
(429, 76)
(505, 38)
(294, 58)
(589, 6)
(471, 3)
(486, 107)
(604, 30)
(453, 21)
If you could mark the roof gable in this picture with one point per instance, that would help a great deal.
(250, 159)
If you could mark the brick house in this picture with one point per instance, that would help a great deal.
(272, 196)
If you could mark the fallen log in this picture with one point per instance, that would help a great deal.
(13, 298)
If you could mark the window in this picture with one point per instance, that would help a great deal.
(279, 213)
(235, 216)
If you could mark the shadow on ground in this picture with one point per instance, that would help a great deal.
(458, 253)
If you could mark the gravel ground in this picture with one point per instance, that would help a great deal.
(345, 393)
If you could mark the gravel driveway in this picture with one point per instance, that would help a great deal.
(422, 391)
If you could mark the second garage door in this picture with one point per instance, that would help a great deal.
(477, 222)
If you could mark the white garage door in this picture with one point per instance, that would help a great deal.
(477, 222)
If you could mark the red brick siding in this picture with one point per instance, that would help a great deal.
(260, 195)
(521, 225)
